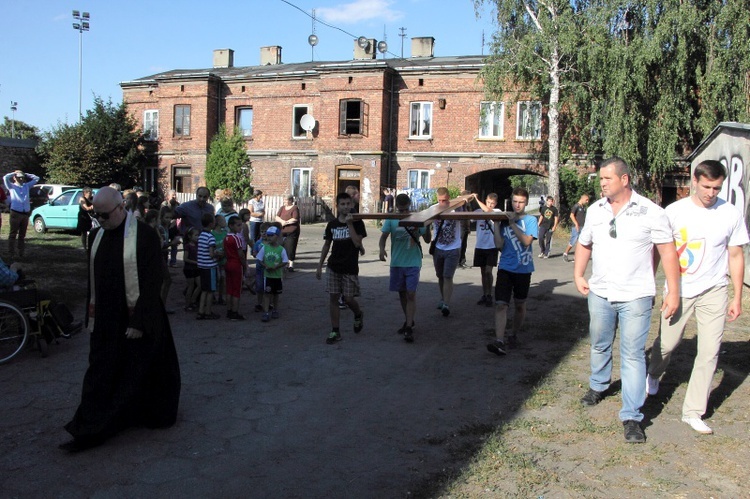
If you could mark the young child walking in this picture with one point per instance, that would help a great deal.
(345, 235)
(190, 269)
(273, 258)
(207, 266)
(220, 232)
(235, 267)
(259, 282)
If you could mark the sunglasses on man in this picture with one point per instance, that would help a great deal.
(105, 215)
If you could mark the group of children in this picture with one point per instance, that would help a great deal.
(215, 259)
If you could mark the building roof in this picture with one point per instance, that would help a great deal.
(292, 70)
(724, 125)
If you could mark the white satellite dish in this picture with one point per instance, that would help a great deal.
(363, 42)
(307, 122)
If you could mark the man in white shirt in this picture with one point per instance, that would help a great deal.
(709, 234)
(619, 236)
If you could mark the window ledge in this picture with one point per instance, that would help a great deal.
(490, 139)
(351, 136)
(182, 137)
(425, 139)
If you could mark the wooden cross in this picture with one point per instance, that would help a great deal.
(434, 212)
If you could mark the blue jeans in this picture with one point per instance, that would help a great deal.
(255, 231)
(634, 318)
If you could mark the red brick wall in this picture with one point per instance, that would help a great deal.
(274, 152)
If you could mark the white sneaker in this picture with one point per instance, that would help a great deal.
(541, 255)
(652, 385)
(698, 425)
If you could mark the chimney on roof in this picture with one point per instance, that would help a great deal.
(365, 48)
(223, 58)
(270, 56)
(423, 46)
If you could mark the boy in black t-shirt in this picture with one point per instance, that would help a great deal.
(343, 264)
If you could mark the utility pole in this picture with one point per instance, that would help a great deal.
(402, 35)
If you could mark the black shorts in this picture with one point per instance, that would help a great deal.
(485, 257)
(511, 284)
(272, 285)
(191, 273)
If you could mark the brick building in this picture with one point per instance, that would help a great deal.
(313, 128)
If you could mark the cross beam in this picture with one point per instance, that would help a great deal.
(434, 212)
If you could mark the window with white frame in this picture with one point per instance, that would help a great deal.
(299, 111)
(151, 124)
(491, 120)
(182, 120)
(301, 182)
(245, 121)
(529, 120)
(419, 179)
(420, 120)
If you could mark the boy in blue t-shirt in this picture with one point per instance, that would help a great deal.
(260, 277)
(207, 257)
(514, 239)
(406, 262)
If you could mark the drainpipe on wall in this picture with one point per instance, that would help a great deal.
(390, 135)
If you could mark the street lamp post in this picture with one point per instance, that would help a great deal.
(81, 26)
(13, 107)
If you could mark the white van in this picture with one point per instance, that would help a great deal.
(54, 190)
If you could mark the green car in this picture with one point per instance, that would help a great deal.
(59, 213)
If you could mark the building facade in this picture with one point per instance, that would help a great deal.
(314, 128)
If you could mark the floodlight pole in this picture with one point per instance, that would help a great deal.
(13, 107)
(80, 26)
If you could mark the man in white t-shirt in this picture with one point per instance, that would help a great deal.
(621, 231)
(709, 234)
(447, 236)
(485, 250)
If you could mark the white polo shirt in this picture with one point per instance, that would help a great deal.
(702, 236)
(622, 266)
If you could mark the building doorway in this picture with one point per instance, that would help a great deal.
(182, 180)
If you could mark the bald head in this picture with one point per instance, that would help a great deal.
(108, 208)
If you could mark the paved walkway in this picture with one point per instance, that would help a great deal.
(270, 410)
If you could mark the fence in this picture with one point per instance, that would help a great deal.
(311, 209)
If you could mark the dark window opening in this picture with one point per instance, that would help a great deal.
(351, 117)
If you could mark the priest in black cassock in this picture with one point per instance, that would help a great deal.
(133, 378)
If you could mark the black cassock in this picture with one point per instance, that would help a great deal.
(129, 382)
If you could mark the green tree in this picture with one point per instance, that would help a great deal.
(534, 51)
(22, 130)
(227, 165)
(104, 147)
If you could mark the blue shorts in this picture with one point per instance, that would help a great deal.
(404, 279)
(446, 262)
(208, 279)
(573, 236)
(259, 280)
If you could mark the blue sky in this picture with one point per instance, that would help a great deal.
(129, 40)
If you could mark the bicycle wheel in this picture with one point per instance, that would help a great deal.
(14, 329)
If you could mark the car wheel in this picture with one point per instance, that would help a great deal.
(39, 225)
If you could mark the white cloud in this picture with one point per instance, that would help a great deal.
(359, 10)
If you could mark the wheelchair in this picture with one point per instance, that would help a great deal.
(26, 319)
